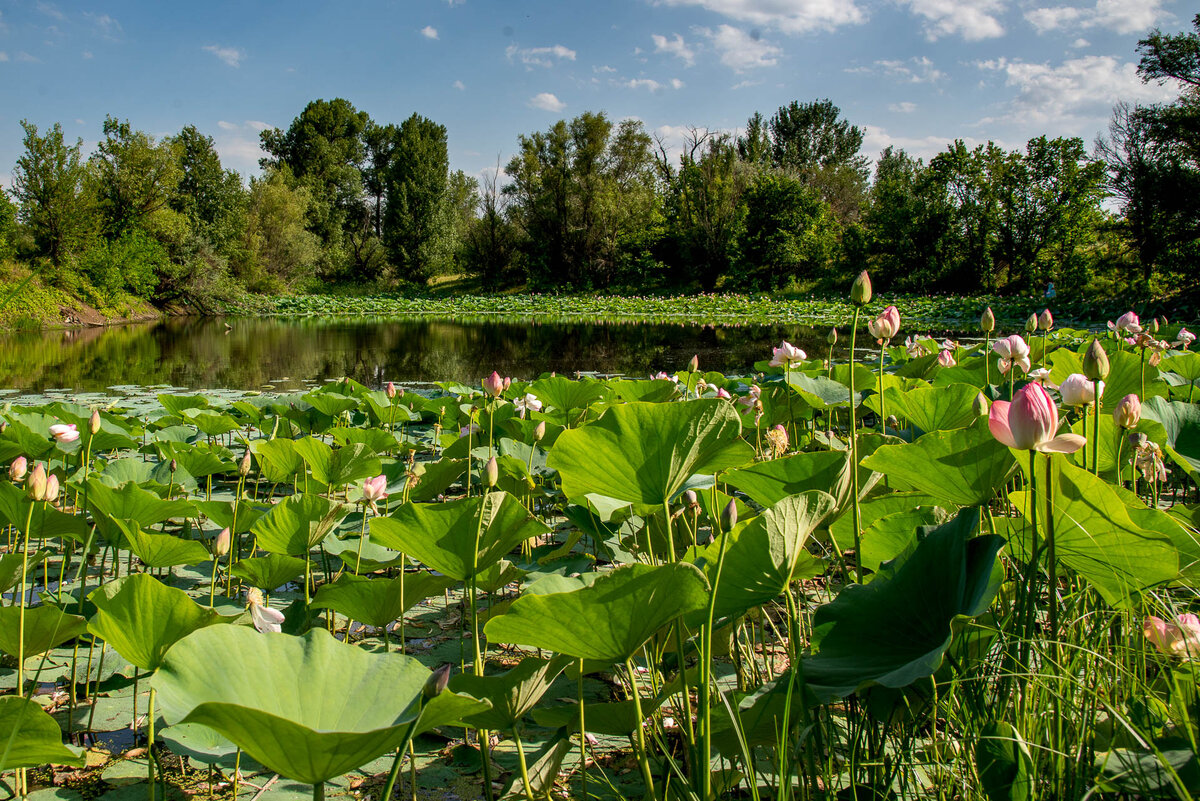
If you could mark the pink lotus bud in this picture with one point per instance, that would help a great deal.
(1031, 324)
(539, 431)
(980, 405)
(375, 489)
(1095, 361)
(987, 321)
(221, 542)
(946, 359)
(390, 390)
(694, 364)
(244, 464)
(493, 384)
(723, 393)
(860, 290)
(508, 382)
(1045, 320)
(491, 472)
(437, 682)
(173, 465)
(1030, 422)
(51, 494)
(64, 432)
(94, 422)
(1127, 323)
(1128, 412)
(831, 337)
(18, 468)
(886, 325)
(35, 487)
(1076, 390)
(729, 514)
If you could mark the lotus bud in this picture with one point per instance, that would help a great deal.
(437, 682)
(491, 472)
(729, 513)
(1163, 321)
(860, 290)
(94, 422)
(539, 431)
(1031, 324)
(390, 390)
(987, 321)
(980, 405)
(221, 542)
(35, 487)
(493, 384)
(831, 337)
(244, 465)
(694, 364)
(508, 381)
(51, 493)
(1045, 320)
(18, 468)
(1153, 326)
(690, 500)
(173, 465)
(1095, 362)
(1128, 412)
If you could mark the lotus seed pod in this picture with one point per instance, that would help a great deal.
(831, 337)
(94, 422)
(51, 492)
(35, 487)
(987, 321)
(491, 472)
(539, 431)
(980, 405)
(1031, 324)
(244, 465)
(1095, 362)
(694, 364)
(1045, 320)
(729, 513)
(436, 684)
(18, 468)
(860, 290)
(221, 542)
(690, 499)
(173, 466)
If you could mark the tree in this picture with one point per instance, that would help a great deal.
(8, 226)
(133, 177)
(417, 221)
(48, 182)
(789, 234)
(211, 197)
(282, 251)
(489, 244)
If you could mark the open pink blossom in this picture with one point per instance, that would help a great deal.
(723, 393)
(528, 403)
(1039, 375)
(946, 359)
(786, 355)
(1012, 350)
(886, 325)
(64, 432)
(265, 619)
(1127, 323)
(1184, 338)
(1030, 422)
(375, 489)
(1181, 638)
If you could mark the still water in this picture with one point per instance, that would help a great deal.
(265, 353)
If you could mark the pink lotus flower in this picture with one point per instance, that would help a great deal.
(64, 432)
(1039, 375)
(1127, 323)
(1184, 338)
(885, 326)
(1045, 320)
(1128, 412)
(265, 618)
(526, 404)
(1030, 423)
(391, 390)
(374, 489)
(786, 355)
(1012, 350)
(1077, 390)
(1181, 638)
(221, 542)
(946, 359)
(473, 428)
(723, 393)
(661, 376)
(18, 468)
(51, 489)
(493, 384)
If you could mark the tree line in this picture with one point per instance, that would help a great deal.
(589, 204)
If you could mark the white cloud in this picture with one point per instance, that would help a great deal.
(238, 152)
(429, 32)
(1081, 42)
(258, 125)
(3, 56)
(902, 108)
(877, 139)
(27, 58)
(918, 69)
(539, 56)
(546, 102)
(230, 55)
(788, 16)
(50, 10)
(676, 83)
(227, 126)
(675, 47)
(741, 51)
(1077, 93)
(104, 25)
(459, 85)
(744, 84)
(1122, 16)
(971, 19)
(649, 83)
(87, 54)
(603, 69)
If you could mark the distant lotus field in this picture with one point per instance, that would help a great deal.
(898, 568)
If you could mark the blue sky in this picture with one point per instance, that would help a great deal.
(915, 73)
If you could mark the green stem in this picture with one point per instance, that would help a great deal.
(524, 766)
(643, 760)
(882, 406)
(150, 745)
(1096, 429)
(24, 593)
(857, 523)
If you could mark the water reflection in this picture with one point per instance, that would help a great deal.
(202, 353)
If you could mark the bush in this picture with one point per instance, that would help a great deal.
(130, 264)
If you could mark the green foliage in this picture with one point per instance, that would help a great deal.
(130, 264)
(281, 251)
(789, 234)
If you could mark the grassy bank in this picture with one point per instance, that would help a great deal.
(38, 305)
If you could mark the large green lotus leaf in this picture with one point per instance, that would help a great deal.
(932, 408)
(18, 439)
(376, 439)
(209, 422)
(10, 567)
(443, 535)
(46, 627)
(198, 459)
(141, 617)
(896, 629)
(1184, 364)
(872, 509)
(116, 472)
(296, 524)
(360, 555)
(131, 502)
(1176, 527)
(608, 620)
(270, 571)
(1004, 763)
(29, 737)
(1095, 536)
(965, 466)
(654, 391)
(818, 392)
(378, 602)
(277, 459)
(769, 482)
(891, 535)
(46, 520)
(1125, 378)
(644, 453)
(309, 708)
(563, 396)
(761, 558)
(1111, 439)
(177, 404)
(1182, 423)
(1064, 362)
(513, 694)
(337, 468)
(864, 378)
(434, 478)
(330, 403)
(221, 513)
(385, 411)
(160, 550)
